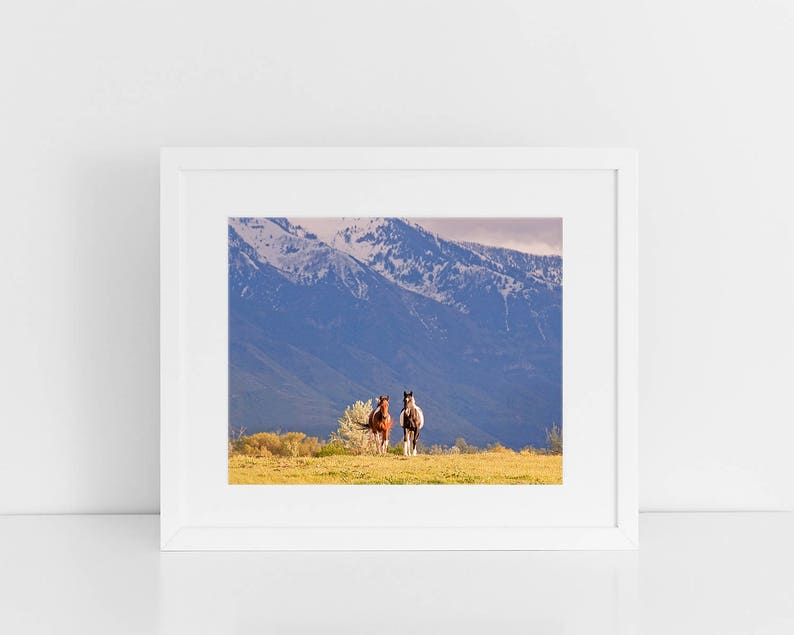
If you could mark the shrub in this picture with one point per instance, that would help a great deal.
(397, 448)
(263, 444)
(498, 448)
(465, 448)
(554, 440)
(260, 444)
(331, 449)
(235, 434)
(352, 433)
(290, 444)
(310, 446)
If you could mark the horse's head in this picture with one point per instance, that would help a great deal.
(383, 403)
(408, 399)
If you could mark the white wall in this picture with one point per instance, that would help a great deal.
(91, 90)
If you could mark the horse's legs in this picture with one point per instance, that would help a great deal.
(416, 439)
(405, 441)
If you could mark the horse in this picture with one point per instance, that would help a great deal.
(411, 419)
(379, 423)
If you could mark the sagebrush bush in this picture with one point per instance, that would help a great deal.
(352, 437)
(264, 444)
(498, 448)
(464, 447)
(352, 433)
(554, 440)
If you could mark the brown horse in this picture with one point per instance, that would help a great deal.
(379, 424)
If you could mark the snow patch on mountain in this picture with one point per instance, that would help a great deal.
(300, 258)
(546, 270)
(457, 274)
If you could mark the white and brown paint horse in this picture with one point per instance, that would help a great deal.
(379, 423)
(412, 419)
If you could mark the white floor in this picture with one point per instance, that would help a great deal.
(694, 573)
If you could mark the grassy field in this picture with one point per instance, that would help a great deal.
(490, 468)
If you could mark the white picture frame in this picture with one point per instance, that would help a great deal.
(593, 190)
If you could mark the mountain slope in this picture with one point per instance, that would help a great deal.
(494, 285)
(384, 306)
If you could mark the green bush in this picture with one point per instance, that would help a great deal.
(397, 448)
(332, 449)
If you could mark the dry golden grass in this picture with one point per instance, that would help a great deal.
(491, 468)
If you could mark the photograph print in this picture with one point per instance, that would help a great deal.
(395, 351)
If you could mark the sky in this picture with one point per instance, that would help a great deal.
(541, 236)
(532, 235)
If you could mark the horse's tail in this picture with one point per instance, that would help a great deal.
(368, 424)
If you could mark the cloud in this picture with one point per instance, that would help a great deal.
(531, 235)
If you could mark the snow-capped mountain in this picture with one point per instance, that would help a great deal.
(331, 312)
(302, 260)
(406, 253)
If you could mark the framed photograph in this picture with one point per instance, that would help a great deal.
(398, 348)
